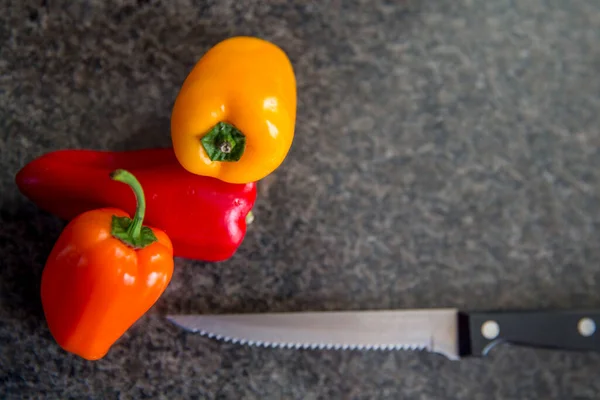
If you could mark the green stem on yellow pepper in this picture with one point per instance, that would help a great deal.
(224, 142)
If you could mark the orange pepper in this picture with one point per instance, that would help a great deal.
(103, 273)
(235, 114)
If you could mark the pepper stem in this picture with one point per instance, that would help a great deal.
(224, 142)
(132, 232)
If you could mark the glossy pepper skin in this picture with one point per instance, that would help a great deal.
(235, 114)
(204, 217)
(104, 272)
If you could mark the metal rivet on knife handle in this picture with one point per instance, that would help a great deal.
(586, 327)
(490, 329)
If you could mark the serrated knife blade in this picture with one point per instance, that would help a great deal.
(447, 331)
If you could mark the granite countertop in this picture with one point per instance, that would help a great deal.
(446, 155)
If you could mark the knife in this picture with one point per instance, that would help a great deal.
(447, 331)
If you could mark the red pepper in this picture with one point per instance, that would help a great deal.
(204, 217)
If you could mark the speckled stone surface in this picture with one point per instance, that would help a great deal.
(446, 154)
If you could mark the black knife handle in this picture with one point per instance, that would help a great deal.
(565, 330)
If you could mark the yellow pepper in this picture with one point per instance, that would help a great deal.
(235, 114)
